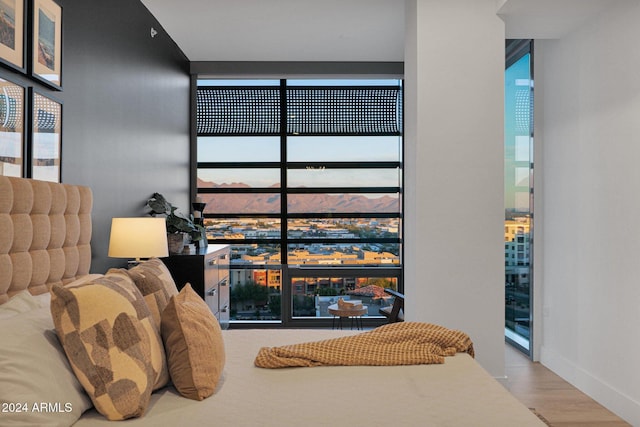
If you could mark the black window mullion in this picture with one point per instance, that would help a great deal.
(283, 170)
(261, 241)
(304, 271)
(205, 134)
(228, 190)
(344, 165)
(308, 215)
(242, 215)
(265, 241)
(333, 190)
(286, 309)
(239, 165)
(395, 240)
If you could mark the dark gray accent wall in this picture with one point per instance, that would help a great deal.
(126, 102)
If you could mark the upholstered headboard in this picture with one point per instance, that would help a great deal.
(45, 234)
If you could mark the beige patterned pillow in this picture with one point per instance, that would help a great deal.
(194, 345)
(112, 343)
(159, 358)
(156, 285)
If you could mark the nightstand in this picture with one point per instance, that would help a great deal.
(207, 270)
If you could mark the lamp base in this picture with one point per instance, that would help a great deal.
(132, 263)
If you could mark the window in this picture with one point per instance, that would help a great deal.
(518, 169)
(303, 178)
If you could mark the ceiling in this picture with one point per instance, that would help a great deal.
(284, 30)
(334, 30)
(549, 19)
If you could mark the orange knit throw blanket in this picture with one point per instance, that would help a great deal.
(403, 343)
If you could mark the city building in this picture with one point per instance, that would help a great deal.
(516, 242)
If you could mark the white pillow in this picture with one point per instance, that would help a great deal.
(43, 300)
(21, 302)
(34, 371)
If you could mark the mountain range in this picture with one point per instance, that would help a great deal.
(298, 203)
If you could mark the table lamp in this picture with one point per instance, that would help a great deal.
(143, 237)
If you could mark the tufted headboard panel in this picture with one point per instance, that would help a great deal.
(45, 234)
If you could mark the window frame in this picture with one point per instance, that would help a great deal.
(287, 271)
(515, 50)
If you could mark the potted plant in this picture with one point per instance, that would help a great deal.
(180, 228)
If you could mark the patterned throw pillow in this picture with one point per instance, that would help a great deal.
(194, 345)
(156, 285)
(159, 359)
(112, 343)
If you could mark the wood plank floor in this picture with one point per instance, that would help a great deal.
(557, 401)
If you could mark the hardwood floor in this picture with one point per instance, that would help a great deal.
(557, 401)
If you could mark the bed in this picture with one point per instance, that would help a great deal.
(45, 233)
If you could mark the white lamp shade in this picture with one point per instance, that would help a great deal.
(138, 238)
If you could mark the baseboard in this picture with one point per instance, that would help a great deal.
(612, 399)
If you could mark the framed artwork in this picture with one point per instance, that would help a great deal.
(46, 43)
(12, 34)
(12, 97)
(45, 143)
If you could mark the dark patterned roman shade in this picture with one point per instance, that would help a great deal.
(238, 111)
(317, 110)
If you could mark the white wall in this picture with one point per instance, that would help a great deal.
(454, 253)
(591, 239)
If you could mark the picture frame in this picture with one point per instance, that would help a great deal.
(45, 140)
(12, 128)
(13, 30)
(46, 43)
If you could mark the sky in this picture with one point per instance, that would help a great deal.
(301, 149)
(518, 143)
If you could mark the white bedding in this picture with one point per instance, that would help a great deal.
(34, 369)
(456, 393)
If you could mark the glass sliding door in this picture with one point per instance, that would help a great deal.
(518, 169)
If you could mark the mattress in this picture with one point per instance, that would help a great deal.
(457, 393)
